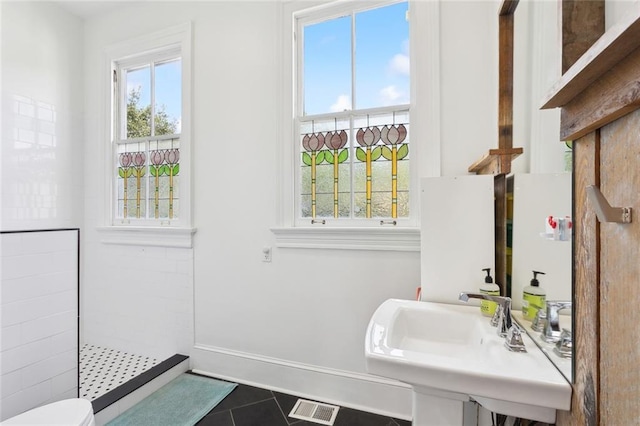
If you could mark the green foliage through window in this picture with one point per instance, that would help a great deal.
(139, 118)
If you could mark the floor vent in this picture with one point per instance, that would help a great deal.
(315, 412)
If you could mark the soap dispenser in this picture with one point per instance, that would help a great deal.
(487, 308)
(533, 298)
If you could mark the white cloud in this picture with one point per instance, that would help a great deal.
(341, 104)
(399, 64)
(390, 95)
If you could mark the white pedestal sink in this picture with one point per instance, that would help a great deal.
(450, 354)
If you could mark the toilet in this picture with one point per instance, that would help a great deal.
(68, 412)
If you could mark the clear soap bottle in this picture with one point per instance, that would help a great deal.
(533, 298)
(487, 308)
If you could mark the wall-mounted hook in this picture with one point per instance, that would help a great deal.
(604, 211)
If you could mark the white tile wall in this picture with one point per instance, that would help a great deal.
(38, 319)
(138, 299)
(41, 144)
(26, 399)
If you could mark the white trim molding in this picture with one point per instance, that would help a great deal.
(147, 236)
(360, 391)
(176, 37)
(396, 239)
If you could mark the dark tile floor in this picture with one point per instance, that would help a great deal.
(251, 406)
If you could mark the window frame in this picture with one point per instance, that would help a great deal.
(322, 15)
(425, 158)
(157, 57)
(120, 129)
(177, 232)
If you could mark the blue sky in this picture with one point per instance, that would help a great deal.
(381, 62)
(168, 88)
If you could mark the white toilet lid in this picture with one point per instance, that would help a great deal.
(76, 412)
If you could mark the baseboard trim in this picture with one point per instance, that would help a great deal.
(345, 388)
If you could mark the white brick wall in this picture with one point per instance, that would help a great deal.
(38, 319)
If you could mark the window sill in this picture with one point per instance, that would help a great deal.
(397, 239)
(147, 236)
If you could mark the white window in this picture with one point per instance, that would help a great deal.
(350, 153)
(149, 143)
(147, 137)
(352, 115)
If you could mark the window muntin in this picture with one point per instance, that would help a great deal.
(354, 163)
(147, 152)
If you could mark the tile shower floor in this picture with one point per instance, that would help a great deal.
(103, 369)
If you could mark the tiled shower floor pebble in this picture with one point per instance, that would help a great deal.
(103, 369)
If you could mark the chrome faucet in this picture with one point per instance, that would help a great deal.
(552, 331)
(503, 310)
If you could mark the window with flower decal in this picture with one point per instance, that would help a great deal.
(352, 114)
(147, 138)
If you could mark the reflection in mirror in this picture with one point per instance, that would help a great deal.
(537, 67)
(541, 241)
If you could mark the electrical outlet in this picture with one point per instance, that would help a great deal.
(266, 254)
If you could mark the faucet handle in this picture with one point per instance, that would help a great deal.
(557, 305)
(513, 340)
(495, 319)
(564, 347)
(539, 321)
(551, 332)
(504, 321)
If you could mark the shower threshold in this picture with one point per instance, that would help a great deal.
(107, 376)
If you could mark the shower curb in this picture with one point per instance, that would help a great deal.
(137, 382)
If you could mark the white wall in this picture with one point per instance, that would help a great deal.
(455, 246)
(535, 197)
(469, 89)
(298, 323)
(537, 58)
(38, 319)
(41, 163)
(137, 299)
(41, 174)
(470, 80)
(616, 11)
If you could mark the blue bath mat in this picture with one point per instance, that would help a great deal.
(183, 401)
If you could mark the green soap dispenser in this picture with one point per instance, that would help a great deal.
(533, 298)
(487, 308)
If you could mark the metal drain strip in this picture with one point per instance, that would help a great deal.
(315, 412)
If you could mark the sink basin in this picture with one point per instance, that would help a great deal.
(448, 349)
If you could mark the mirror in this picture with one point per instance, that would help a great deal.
(541, 209)
(541, 180)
